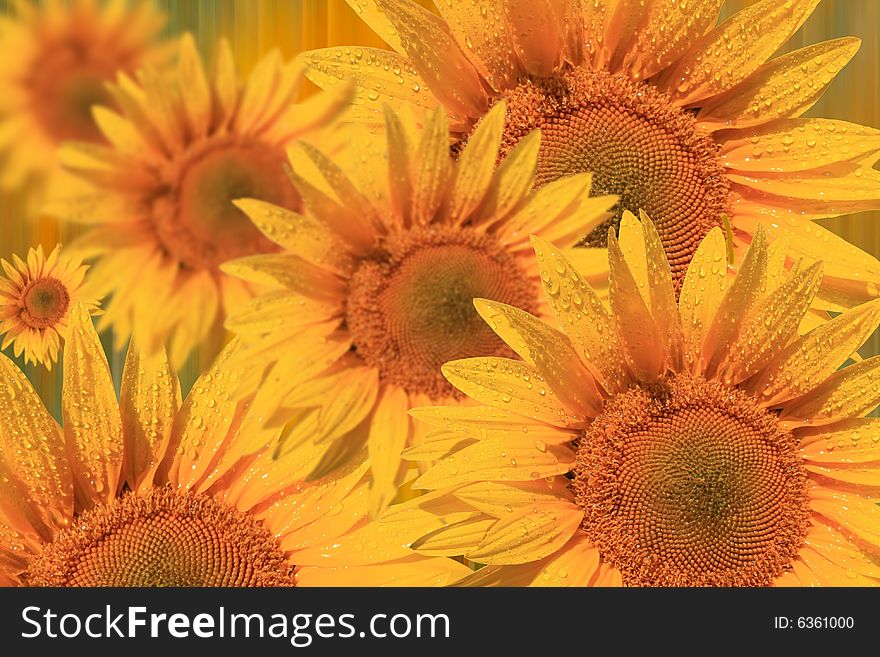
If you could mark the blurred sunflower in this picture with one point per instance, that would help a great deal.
(657, 444)
(373, 292)
(681, 118)
(158, 199)
(35, 300)
(149, 492)
(64, 54)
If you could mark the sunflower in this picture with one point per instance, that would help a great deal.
(152, 492)
(64, 55)
(681, 118)
(702, 443)
(35, 301)
(351, 328)
(157, 200)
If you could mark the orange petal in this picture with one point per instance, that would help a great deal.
(785, 87)
(528, 534)
(435, 54)
(848, 442)
(148, 400)
(496, 459)
(92, 425)
(789, 145)
(583, 316)
(486, 39)
(641, 339)
(32, 452)
(549, 351)
(536, 33)
(733, 50)
(771, 326)
(850, 392)
(511, 384)
(680, 26)
(810, 360)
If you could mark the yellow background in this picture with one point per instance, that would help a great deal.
(254, 27)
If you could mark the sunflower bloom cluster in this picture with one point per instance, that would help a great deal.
(157, 199)
(372, 292)
(535, 297)
(150, 491)
(36, 297)
(661, 443)
(682, 118)
(58, 61)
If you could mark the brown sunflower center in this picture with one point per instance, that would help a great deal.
(411, 310)
(689, 483)
(163, 538)
(66, 83)
(636, 144)
(197, 221)
(45, 301)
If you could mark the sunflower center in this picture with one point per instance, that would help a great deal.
(689, 483)
(636, 144)
(66, 84)
(45, 301)
(163, 538)
(198, 223)
(411, 310)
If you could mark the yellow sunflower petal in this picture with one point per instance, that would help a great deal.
(642, 342)
(490, 422)
(583, 316)
(512, 180)
(375, 74)
(787, 86)
(399, 165)
(810, 360)
(456, 539)
(572, 565)
(528, 534)
(831, 574)
(485, 38)
(413, 571)
(704, 286)
(855, 514)
(92, 425)
(512, 384)
(372, 14)
(799, 144)
(739, 300)
(389, 431)
(288, 271)
(847, 442)
(549, 352)
(497, 459)
(868, 476)
(661, 291)
(499, 499)
(771, 326)
(435, 54)
(536, 33)
(836, 548)
(680, 26)
(476, 164)
(197, 96)
(549, 204)
(148, 401)
(434, 169)
(732, 51)
(32, 449)
(850, 392)
(371, 543)
(435, 445)
(196, 441)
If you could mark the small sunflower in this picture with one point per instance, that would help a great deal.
(64, 54)
(152, 492)
(681, 118)
(373, 291)
(158, 199)
(35, 300)
(702, 443)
